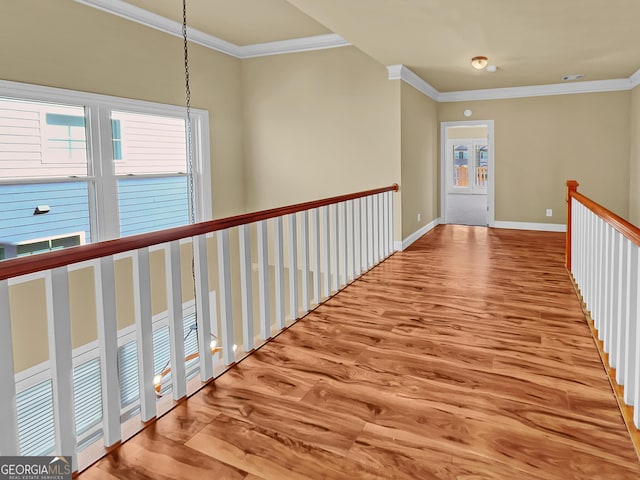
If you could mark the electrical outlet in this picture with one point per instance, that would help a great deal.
(419, 216)
(549, 212)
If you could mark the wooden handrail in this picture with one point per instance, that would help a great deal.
(627, 229)
(15, 267)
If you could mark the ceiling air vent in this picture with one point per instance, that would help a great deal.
(568, 78)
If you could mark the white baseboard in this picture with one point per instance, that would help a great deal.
(400, 246)
(545, 227)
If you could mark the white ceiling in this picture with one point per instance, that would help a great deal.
(532, 42)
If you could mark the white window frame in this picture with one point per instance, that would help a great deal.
(472, 144)
(104, 220)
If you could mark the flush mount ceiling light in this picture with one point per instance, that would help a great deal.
(479, 63)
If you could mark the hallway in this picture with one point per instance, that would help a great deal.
(466, 356)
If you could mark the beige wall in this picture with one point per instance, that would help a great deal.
(69, 45)
(419, 178)
(466, 132)
(634, 167)
(318, 124)
(541, 142)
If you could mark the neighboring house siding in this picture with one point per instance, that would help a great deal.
(69, 210)
(148, 204)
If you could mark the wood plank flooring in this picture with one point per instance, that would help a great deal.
(465, 357)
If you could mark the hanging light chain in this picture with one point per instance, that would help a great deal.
(192, 206)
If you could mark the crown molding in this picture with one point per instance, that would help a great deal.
(400, 72)
(144, 17)
(635, 79)
(594, 86)
(305, 44)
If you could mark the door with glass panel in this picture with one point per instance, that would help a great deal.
(467, 180)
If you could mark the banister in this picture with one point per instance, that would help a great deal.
(44, 261)
(626, 228)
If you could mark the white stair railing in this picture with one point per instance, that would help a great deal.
(247, 278)
(603, 258)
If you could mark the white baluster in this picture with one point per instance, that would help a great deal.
(304, 243)
(385, 223)
(335, 271)
(246, 287)
(620, 351)
(381, 254)
(351, 274)
(588, 217)
(263, 281)
(608, 282)
(293, 266)
(392, 247)
(357, 238)
(60, 357)
(615, 304)
(203, 306)
(375, 229)
(370, 233)
(8, 413)
(279, 272)
(596, 269)
(144, 330)
(104, 278)
(365, 234)
(175, 319)
(226, 303)
(326, 252)
(344, 254)
(632, 302)
(317, 274)
(602, 275)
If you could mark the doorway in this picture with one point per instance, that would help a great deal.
(467, 172)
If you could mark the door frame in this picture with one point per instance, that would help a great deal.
(490, 170)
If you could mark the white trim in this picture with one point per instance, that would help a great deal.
(635, 79)
(401, 246)
(595, 86)
(545, 227)
(490, 173)
(19, 90)
(400, 72)
(158, 22)
(144, 17)
(294, 45)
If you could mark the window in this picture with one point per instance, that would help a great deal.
(104, 167)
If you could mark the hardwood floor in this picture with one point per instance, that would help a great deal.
(465, 357)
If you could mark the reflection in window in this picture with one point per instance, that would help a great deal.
(460, 166)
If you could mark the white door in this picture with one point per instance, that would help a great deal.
(467, 168)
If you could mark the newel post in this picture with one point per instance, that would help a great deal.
(572, 186)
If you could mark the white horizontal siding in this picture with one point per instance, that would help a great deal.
(151, 144)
